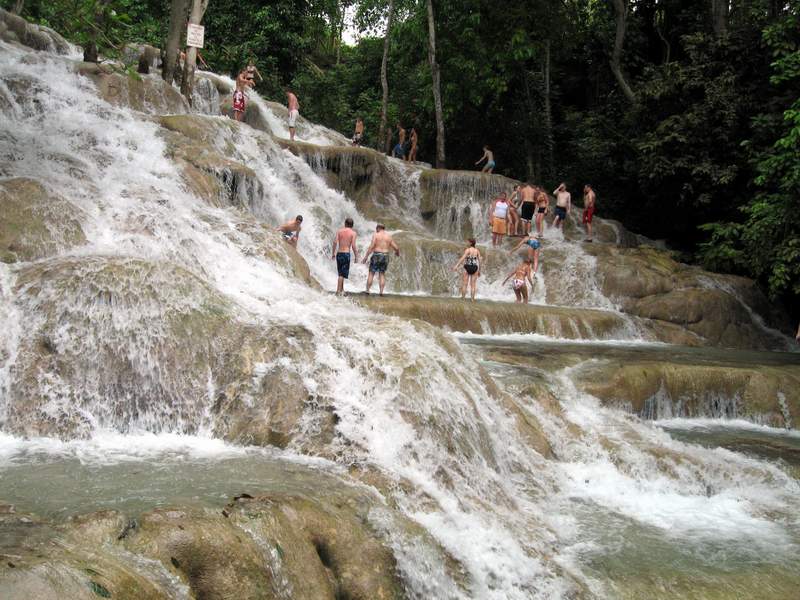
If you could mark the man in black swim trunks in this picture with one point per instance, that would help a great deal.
(527, 196)
(344, 241)
(381, 243)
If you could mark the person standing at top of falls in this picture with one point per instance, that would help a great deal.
(358, 132)
(253, 72)
(498, 216)
(380, 246)
(471, 260)
(542, 207)
(589, 200)
(488, 156)
(239, 98)
(533, 246)
(399, 150)
(563, 204)
(413, 141)
(291, 230)
(294, 111)
(518, 276)
(527, 197)
(343, 243)
(513, 214)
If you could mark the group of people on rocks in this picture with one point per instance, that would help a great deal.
(527, 200)
(407, 142)
(246, 79)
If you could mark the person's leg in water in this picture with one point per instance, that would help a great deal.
(381, 281)
(473, 285)
(340, 286)
(518, 294)
(369, 280)
(524, 291)
(464, 279)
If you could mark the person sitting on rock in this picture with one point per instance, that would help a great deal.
(488, 156)
(291, 230)
(518, 276)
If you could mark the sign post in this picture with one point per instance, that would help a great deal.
(195, 35)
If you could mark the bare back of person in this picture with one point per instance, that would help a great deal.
(345, 238)
(383, 242)
(293, 103)
(527, 193)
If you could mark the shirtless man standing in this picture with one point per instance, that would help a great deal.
(563, 204)
(381, 243)
(345, 241)
(291, 230)
(294, 111)
(488, 156)
(239, 98)
(527, 197)
(358, 133)
(589, 200)
(400, 149)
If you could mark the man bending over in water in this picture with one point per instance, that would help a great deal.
(563, 204)
(488, 156)
(291, 230)
(381, 243)
(345, 241)
(520, 273)
(533, 245)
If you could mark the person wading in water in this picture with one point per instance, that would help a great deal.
(520, 273)
(382, 242)
(471, 260)
(343, 244)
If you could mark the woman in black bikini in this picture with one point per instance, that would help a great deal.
(471, 259)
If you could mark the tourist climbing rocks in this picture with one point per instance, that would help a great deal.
(471, 261)
(294, 111)
(291, 230)
(542, 208)
(379, 248)
(343, 244)
(589, 200)
(358, 132)
(563, 204)
(533, 245)
(498, 215)
(518, 276)
(527, 206)
(488, 156)
(239, 98)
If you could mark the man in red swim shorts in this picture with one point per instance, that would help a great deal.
(588, 209)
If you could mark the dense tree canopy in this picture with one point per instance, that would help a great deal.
(683, 114)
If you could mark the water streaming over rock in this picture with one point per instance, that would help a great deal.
(175, 309)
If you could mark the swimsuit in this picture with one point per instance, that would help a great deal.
(526, 211)
(542, 210)
(561, 212)
(490, 164)
(533, 244)
(238, 101)
(379, 262)
(517, 284)
(588, 213)
(289, 235)
(293, 114)
(343, 264)
(471, 265)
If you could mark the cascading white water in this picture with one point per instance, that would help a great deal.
(408, 400)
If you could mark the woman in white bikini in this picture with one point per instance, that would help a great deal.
(518, 276)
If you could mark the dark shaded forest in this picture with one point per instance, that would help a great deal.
(684, 115)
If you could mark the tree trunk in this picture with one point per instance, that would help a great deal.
(383, 138)
(719, 16)
(177, 23)
(530, 160)
(187, 83)
(437, 93)
(18, 6)
(621, 17)
(548, 113)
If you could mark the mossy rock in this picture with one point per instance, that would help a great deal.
(35, 223)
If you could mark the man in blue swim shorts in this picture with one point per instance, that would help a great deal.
(380, 246)
(343, 243)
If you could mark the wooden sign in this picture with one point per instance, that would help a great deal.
(195, 35)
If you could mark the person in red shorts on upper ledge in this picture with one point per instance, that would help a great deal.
(589, 200)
